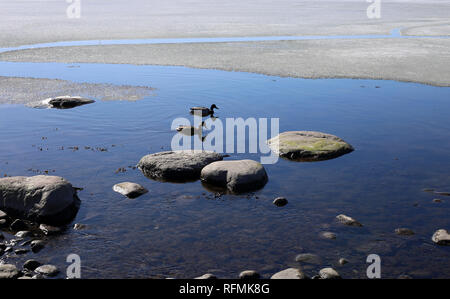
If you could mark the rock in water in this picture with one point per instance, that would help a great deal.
(48, 270)
(329, 273)
(66, 102)
(31, 265)
(404, 231)
(177, 166)
(8, 271)
(249, 274)
(235, 176)
(290, 273)
(347, 220)
(207, 276)
(47, 199)
(441, 237)
(308, 146)
(130, 190)
(280, 201)
(308, 258)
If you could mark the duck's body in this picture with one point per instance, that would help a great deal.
(191, 130)
(203, 111)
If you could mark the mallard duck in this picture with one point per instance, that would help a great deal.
(203, 110)
(191, 130)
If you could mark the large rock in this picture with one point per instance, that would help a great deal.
(235, 176)
(177, 166)
(8, 271)
(44, 199)
(441, 237)
(66, 102)
(308, 146)
(290, 273)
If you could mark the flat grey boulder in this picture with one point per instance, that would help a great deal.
(441, 237)
(130, 190)
(66, 102)
(308, 146)
(290, 273)
(177, 166)
(8, 271)
(43, 199)
(235, 176)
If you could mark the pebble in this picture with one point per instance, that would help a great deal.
(48, 270)
(347, 220)
(79, 226)
(328, 235)
(37, 245)
(437, 200)
(290, 273)
(280, 201)
(307, 258)
(49, 230)
(2, 214)
(404, 231)
(249, 274)
(329, 273)
(343, 261)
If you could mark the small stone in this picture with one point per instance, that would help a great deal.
(21, 251)
(8, 271)
(249, 274)
(280, 201)
(18, 225)
(31, 265)
(79, 226)
(2, 214)
(37, 245)
(2, 222)
(66, 102)
(25, 277)
(328, 235)
(47, 270)
(347, 220)
(437, 200)
(130, 190)
(404, 231)
(441, 237)
(290, 273)
(207, 276)
(343, 261)
(49, 230)
(404, 276)
(329, 273)
(23, 234)
(308, 258)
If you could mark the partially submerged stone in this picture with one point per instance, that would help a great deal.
(207, 276)
(347, 220)
(177, 166)
(249, 274)
(308, 258)
(290, 273)
(441, 237)
(8, 271)
(280, 201)
(66, 102)
(403, 231)
(329, 273)
(130, 190)
(235, 176)
(308, 146)
(44, 199)
(47, 270)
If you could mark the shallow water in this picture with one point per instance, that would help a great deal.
(400, 132)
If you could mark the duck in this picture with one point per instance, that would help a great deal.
(203, 110)
(191, 130)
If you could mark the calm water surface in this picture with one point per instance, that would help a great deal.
(401, 133)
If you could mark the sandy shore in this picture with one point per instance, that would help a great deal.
(415, 60)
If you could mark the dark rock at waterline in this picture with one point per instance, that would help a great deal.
(249, 274)
(23, 234)
(347, 220)
(308, 258)
(177, 166)
(8, 271)
(18, 225)
(441, 237)
(130, 190)
(2, 214)
(280, 201)
(290, 273)
(47, 270)
(235, 176)
(66, 102)
(31, 265)
(309, 146)
(50, 230)
(79, 226)
(404, 231)
(3, 222)
(37, 245)
(328, 235)
(44, 199)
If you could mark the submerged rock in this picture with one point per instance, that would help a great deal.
(207, 276)
(8, 271)
(329, 273)
(235, 176)
(47, 199)
(280, 201)
(309, 146)
(177, 166)
(49, 230)
(441, 237)
(290, 273)
(308, 258)
(347, 220)
(404, 231)
(2, 214)
(328, 235)
(66, 102)
(343, 261)
(130, 190)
